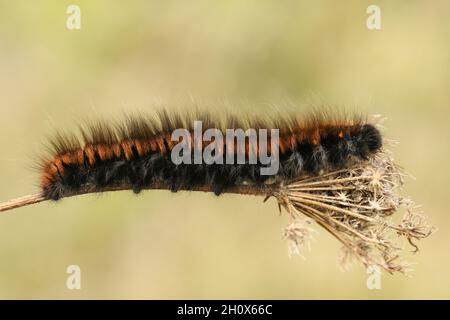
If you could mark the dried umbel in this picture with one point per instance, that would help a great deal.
(356, 206)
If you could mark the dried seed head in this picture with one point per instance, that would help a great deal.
(298, 235)
(355, 205)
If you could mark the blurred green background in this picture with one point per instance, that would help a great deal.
(137, 55)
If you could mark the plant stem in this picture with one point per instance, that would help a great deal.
(38, 197)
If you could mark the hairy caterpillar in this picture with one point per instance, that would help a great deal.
(137, 153)
(331, 170)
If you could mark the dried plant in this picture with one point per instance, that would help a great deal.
(355, 205)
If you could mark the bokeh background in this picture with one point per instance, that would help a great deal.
(255, 54)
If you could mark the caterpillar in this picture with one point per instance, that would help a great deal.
(333, 170)
(137, 153)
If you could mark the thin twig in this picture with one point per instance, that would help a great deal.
(21, 202)
(36, 198)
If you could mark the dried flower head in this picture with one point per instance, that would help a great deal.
(356, 205)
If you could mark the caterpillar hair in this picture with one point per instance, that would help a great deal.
(331, 169)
